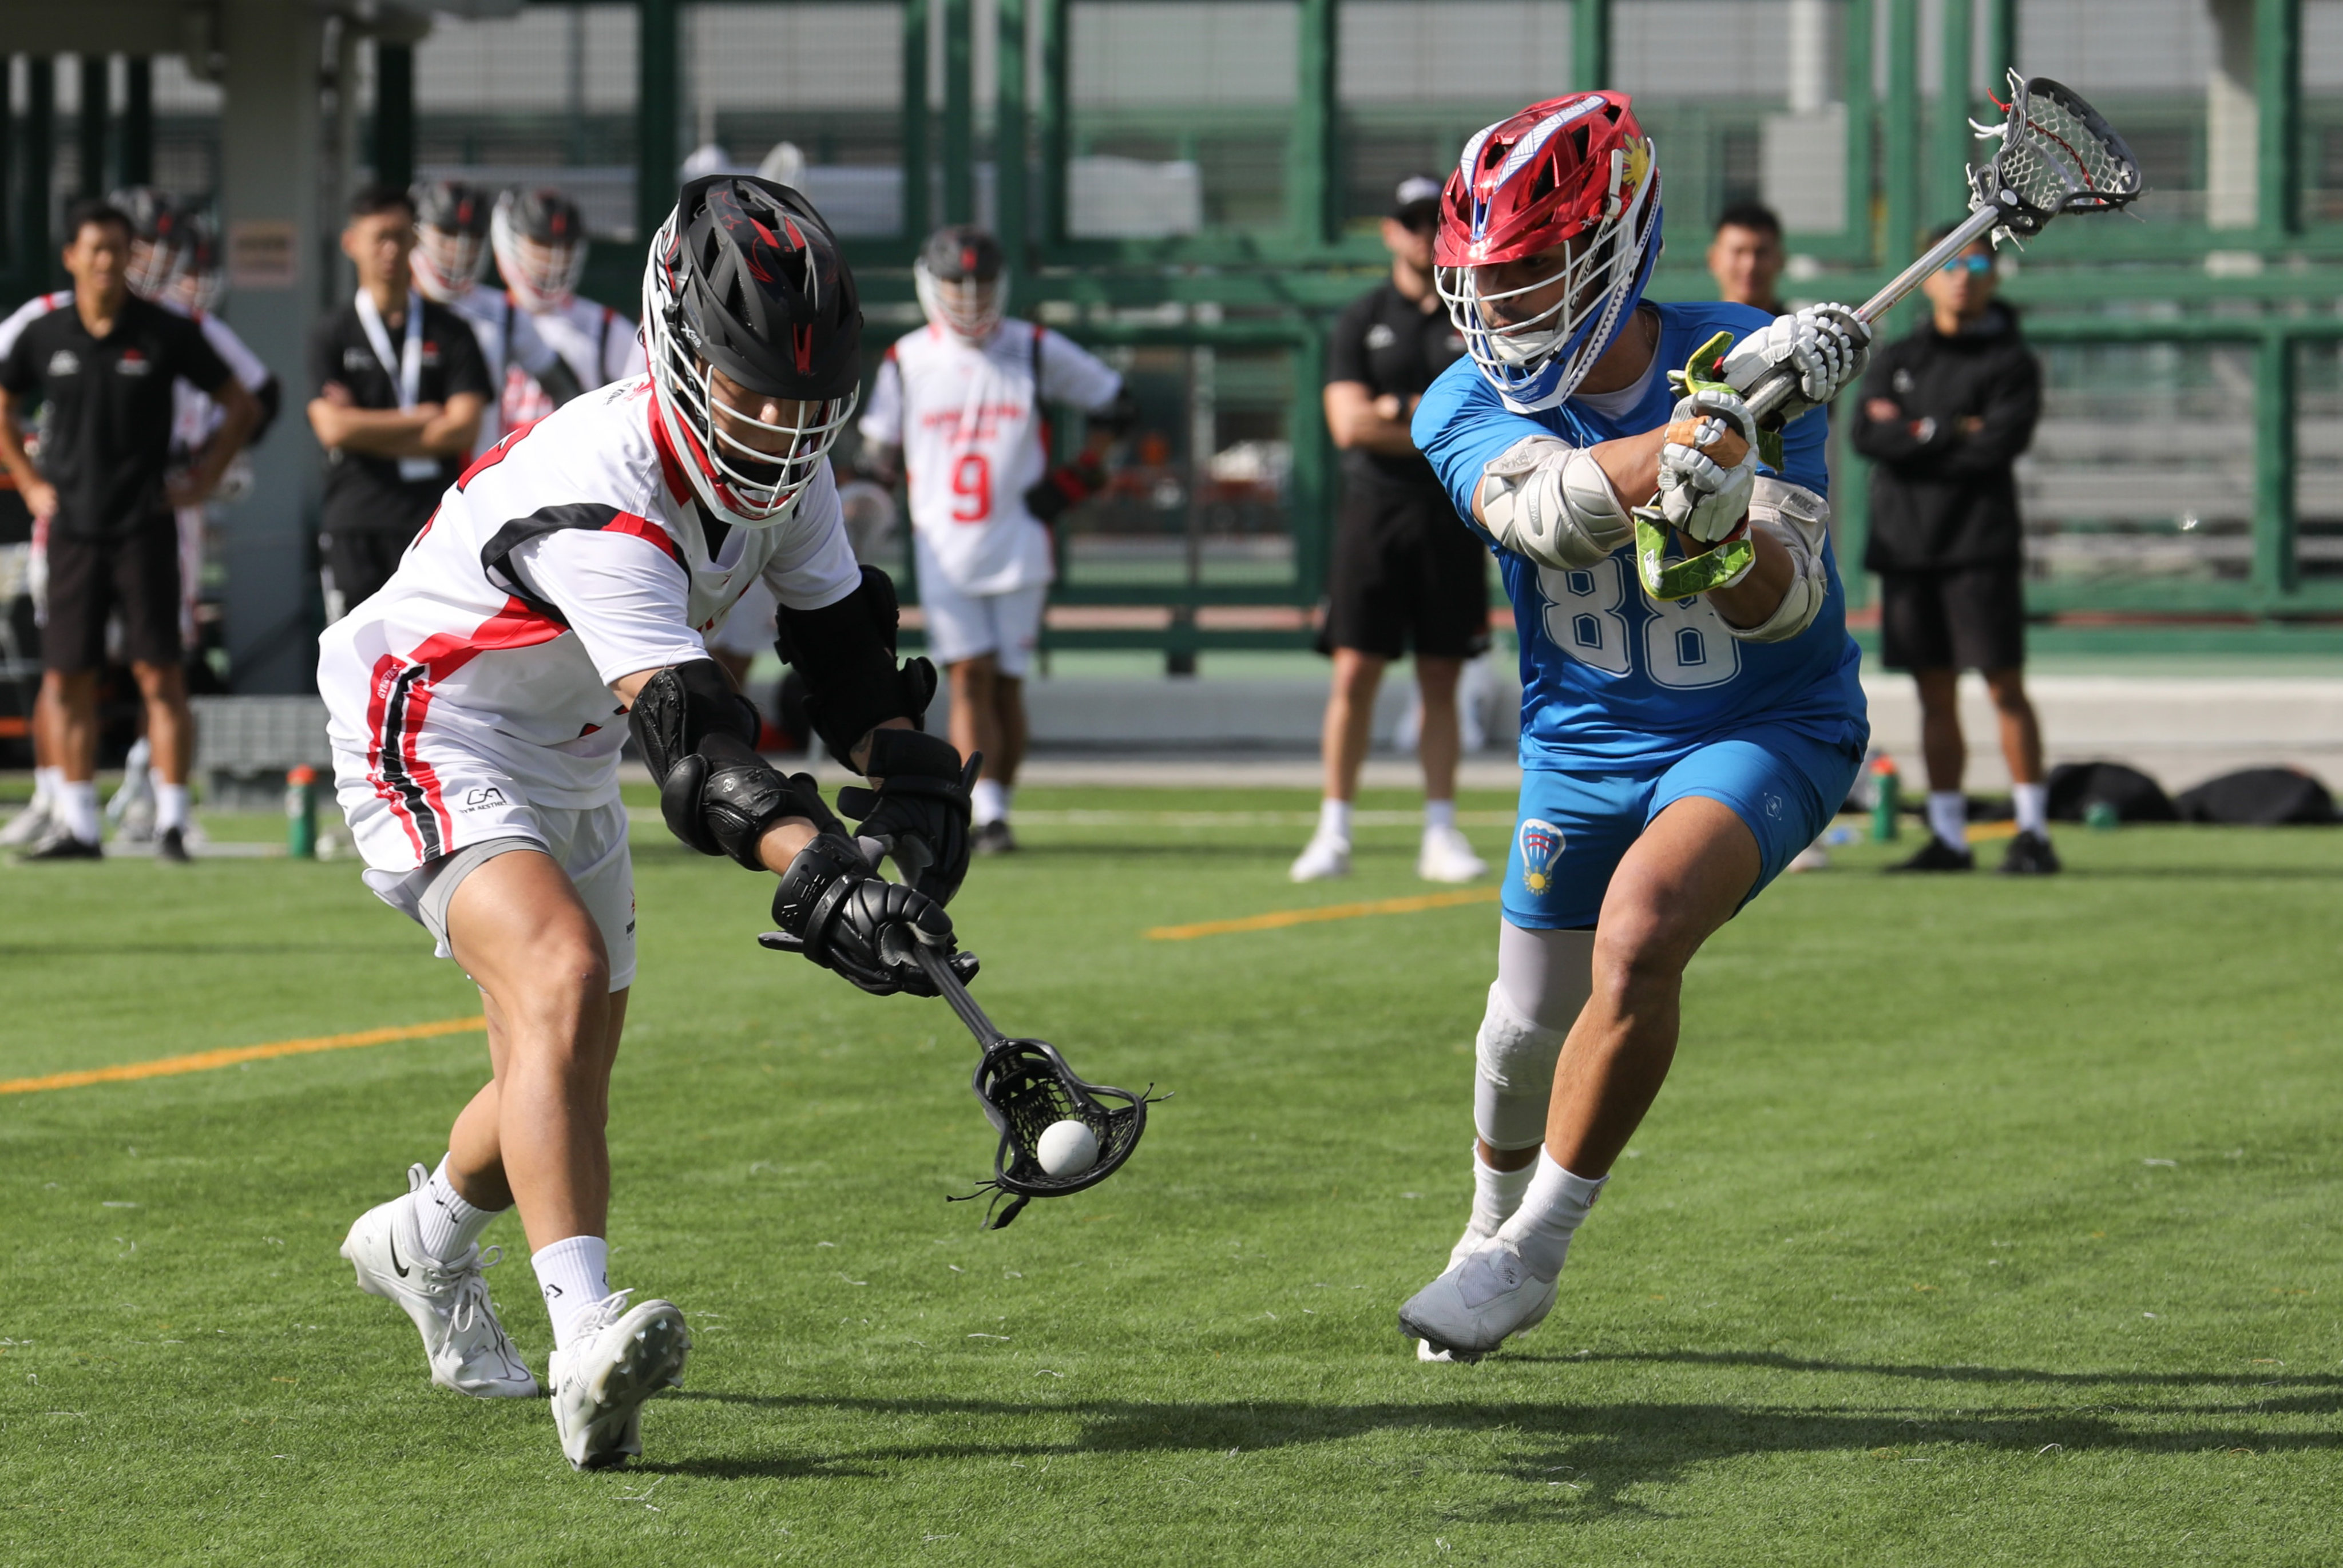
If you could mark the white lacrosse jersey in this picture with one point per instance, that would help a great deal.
(193, 415)
(600, 345)
(968, 419)
(508, 341)
(570, 556)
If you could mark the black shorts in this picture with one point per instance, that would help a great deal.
(138, 574)
(358, 561)
(1407, 574)
(1966, 618)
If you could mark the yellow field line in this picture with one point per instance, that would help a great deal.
(228, 1056)
(1277, 919)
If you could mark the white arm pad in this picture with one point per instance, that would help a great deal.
(1798, 520)
(1549, 502)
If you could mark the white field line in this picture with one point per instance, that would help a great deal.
(1120, 818)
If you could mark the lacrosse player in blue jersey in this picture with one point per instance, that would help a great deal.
(1676, 750)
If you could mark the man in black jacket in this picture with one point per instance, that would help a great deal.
(1945, 413)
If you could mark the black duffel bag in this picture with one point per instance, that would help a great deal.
(2077, 786)
(2260, 798)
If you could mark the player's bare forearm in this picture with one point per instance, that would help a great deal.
(1631, 464)
(1753, 601)
(13, 455)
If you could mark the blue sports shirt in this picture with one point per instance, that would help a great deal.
(1608, 676)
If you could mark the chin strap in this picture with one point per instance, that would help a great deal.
(1731, 559)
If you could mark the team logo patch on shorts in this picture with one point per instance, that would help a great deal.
(482, 797)
(1540, 844)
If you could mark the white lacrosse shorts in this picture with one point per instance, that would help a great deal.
(589, 843)
(960, 626)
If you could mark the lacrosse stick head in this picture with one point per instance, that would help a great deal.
(1025, 1087)
(2057, 155)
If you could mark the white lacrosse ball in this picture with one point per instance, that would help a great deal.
(1067, 1148)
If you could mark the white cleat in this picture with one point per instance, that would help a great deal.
(1323, 860)
(1466, 1245)
(27, 826)
(449, 1301)
(621, 1359)
(1472, 1308)
(1446, 857)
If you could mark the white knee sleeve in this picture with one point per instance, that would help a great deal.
(1513, 1075)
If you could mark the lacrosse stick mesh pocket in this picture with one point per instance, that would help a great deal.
(1026, 1086)
(2058, 155)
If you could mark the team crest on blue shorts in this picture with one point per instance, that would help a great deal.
(1541, 845)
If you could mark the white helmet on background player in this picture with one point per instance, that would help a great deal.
(539, 237)
(1572, 175)
(157, 238)
(962, 279)
(746, 278)
(451, 239)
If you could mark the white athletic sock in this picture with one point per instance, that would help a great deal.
(77, 803)
(1008, 801)
(1496, 1194)
(2033, 802)
(1541, 1229)
(170, 806)
(1439, 814)
(48, 784)
(989, 801)
(1948, 815)
(574, 1273)
(1334, 820)
(448, 1223)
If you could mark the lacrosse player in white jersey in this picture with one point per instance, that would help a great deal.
(556, 602)
(44, 816)
(958, 404)
(451, 252)
(540, 238)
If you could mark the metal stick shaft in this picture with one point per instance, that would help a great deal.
(1768, 399)
(940, 974)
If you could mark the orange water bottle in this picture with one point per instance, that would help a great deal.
(301, 813)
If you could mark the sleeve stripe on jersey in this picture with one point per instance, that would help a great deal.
(496, 556)
(400, 698)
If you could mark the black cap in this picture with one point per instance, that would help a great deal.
(1416, 200)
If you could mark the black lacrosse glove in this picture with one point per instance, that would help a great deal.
(834, 910)
(921, 809)
(1065, 486)
(720, 798)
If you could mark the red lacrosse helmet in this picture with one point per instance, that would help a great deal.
(1575, 171)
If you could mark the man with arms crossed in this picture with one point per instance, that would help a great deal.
(1406, 575)
(401, 391)
(1676, 754)
(958, 405)
(476, 708)
(106, 369)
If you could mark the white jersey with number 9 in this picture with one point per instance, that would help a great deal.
(969, 420)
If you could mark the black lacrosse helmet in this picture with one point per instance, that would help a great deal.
(158, 240)
(1026, 1088)
(540, 238)
(746, 278)
(962, 279)
(451, 237)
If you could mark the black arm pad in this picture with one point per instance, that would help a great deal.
(271, 397)
(846, 652)
(680, 705)
(1118, 419)
(720, 798)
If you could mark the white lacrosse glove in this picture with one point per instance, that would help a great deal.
(1827, 347)
(1708, 465)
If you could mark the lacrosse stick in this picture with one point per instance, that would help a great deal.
(2057, 155)
(1024, 1085)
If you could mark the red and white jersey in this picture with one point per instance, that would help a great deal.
(570, 557)
(193, 415)
(969, 420)
(600, 345)
(511, 342)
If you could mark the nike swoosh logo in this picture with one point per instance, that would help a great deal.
(394, 1257)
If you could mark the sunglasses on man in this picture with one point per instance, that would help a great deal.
(1975, 265)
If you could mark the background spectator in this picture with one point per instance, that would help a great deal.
(399, 399)
(1945, 413)
(1407, 573)
(105, 370)
(1745, 256)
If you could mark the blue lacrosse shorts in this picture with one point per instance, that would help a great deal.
(1574, 827)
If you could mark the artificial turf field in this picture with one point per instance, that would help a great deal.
(1982, 1221)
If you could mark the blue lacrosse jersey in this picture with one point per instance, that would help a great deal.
(1609, 678)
